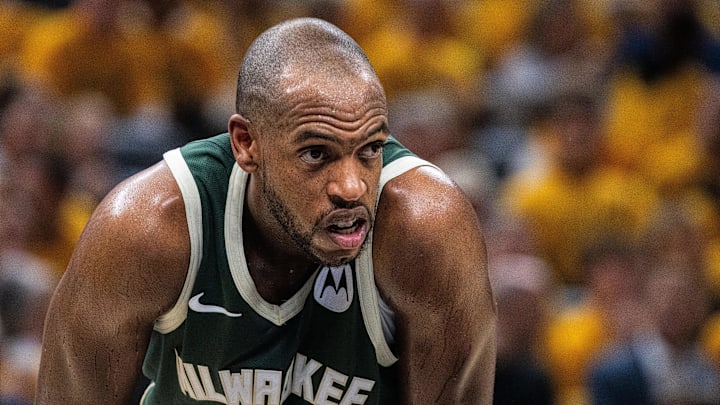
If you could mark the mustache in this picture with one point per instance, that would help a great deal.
(339, 203)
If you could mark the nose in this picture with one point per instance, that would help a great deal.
(346, 182)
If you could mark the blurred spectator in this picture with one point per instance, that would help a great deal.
(34, 181)
(36, 204)
(84, 49)
(665, 55)
(522, 285)
(134, 53)
(605, 311)
(15, 20)
(678, 237)
(26, 284)
(417, 48)
(85, 136)
(138, 141)
(674, 237)
(709, 133)
(182, 60)
(555, 57)
(710, 337)
(577, 199)
(509, 235)
(431, 123)
(26, 125)
(664, 364)
(667, 35)
(494, 27)
(679, 234)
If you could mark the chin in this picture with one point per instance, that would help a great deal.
(338, 258)
(334, 260)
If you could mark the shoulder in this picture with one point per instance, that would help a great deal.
(423, 200)
(430, 266)
(137, 237)
(127, 269)
(426, 229)
(423, 203)
(146, 208)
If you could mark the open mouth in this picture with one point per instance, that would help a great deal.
(347, 227)
(347, 231)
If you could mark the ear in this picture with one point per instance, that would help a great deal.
(244, 144)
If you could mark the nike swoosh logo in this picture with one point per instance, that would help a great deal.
(198, 306)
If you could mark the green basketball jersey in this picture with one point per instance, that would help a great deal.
(222, 343)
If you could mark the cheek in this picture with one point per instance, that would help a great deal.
(301, 193)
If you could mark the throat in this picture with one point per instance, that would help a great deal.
(277, 286)
(278, 274)
(278, 279)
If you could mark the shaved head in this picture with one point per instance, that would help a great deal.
(306, 46)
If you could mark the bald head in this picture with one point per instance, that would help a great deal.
(303, 46)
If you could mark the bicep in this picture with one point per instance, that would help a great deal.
(436, 280)
(102, 312)
(94, 334)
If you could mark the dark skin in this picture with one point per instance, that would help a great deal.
(428, 251)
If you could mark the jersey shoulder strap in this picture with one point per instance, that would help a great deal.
(378, 316)
(397, 159)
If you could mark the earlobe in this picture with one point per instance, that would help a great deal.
(244, 145)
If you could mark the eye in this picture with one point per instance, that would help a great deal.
(314, 155)
(372, 151)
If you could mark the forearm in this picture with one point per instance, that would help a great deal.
(476, 381)
(450, 367)
(88, 361)
(92, 377)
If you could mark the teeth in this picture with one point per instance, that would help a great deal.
(344, 226)
(347, 224)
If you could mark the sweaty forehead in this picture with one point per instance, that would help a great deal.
(348, 93)
(339, 87)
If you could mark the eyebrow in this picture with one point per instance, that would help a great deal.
(306, 135)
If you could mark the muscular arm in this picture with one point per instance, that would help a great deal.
(430, 265)
(127, 269)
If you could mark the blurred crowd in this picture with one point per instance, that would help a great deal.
(585, 132)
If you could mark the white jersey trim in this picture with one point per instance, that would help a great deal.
(378, 316)
(400, 166)
(149, 388)
(170, 321)
(277, 314)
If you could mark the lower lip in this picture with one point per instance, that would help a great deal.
(349, 240)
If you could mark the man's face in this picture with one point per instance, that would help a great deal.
(321, 166)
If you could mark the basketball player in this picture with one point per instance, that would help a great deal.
(302, 257)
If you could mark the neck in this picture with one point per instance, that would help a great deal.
(276, 266)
